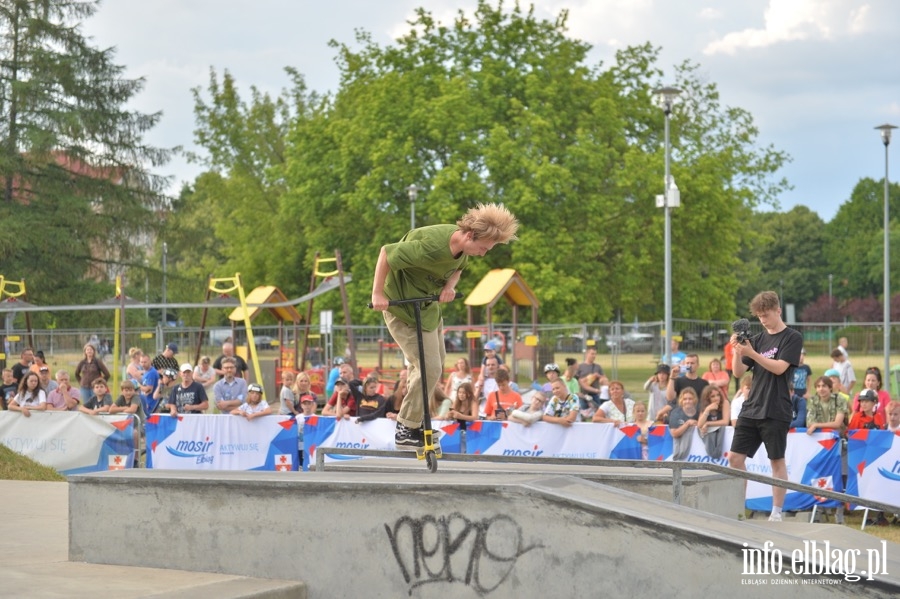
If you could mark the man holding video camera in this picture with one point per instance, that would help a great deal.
(765, 417)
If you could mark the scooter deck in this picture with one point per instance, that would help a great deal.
(422, 450)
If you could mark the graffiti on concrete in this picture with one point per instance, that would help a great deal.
(480, 554)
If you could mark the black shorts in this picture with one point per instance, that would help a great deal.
(750, 433)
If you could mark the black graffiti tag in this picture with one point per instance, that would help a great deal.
(480, 554)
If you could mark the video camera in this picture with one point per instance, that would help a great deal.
(741, 328)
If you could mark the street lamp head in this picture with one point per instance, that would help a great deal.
(413, 192)
(666, 97)
(886, 132)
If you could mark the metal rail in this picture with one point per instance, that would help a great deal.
(676, 467)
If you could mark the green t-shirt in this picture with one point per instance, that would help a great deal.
(421, 264)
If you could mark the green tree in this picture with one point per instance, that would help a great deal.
(77, 199)
(501, 106)
(231, 219)
(792, 255)
(855, 246)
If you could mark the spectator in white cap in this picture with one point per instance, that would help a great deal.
(255, 405)
(189, 396)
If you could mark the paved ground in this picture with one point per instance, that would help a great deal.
(34, 538)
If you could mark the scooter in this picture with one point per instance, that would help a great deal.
(431, 449)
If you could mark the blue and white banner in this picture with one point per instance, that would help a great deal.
(221, 442)
(873, 465)
(71, 442)
(811, 459)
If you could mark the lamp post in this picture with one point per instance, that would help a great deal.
(830, 310)
(666, 97)
(165, 258)
(886, 139)
(413, 192)
(147, 286)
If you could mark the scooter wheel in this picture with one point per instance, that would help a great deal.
(431, 461)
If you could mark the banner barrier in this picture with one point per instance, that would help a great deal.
(873, 465)
(221, 442)
(71, 442)
(813, 460)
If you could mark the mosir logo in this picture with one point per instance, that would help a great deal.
(528, 453)
(815, 559)
(197, 450)
(892, 474)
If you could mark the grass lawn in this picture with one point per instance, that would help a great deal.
(14, 466)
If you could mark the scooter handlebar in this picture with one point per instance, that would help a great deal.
(416, 300)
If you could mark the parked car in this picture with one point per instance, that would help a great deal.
(631, 342)
(454, 343)
(574, 343)
(264, 342)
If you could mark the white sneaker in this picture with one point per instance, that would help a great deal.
(775, 518)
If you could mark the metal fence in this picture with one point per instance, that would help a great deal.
(375, 346)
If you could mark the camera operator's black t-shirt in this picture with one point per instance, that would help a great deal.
(770, 395)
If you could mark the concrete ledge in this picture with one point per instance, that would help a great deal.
(450, 534)
(705, 491)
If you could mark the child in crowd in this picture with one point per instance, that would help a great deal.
(128, 402)
(100, 401)
(867, 416)
(682, 422)
(465, 406)
(656, 386)
(798, 408)
(254, 406)
(9, 388)
(302, 388)
(30, 395)
(534, 412)
(828, 409)
(288, 404)
(372, 404)
(893, 417)
(570, 376)
(640, 420)
(563, 407)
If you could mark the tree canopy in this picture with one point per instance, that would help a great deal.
(78, 195)
(497, 106)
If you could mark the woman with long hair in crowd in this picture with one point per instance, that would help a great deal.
(465, 406)
(873, 381)
(134, 371)
(88, 370)
(462, 374)
(715, 414)
(303, 389)
(30, 395)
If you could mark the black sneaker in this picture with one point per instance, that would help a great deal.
(408, 437)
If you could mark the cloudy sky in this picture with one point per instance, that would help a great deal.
(817, 75)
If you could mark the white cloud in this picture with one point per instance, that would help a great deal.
(710, 14)
(791, 20)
